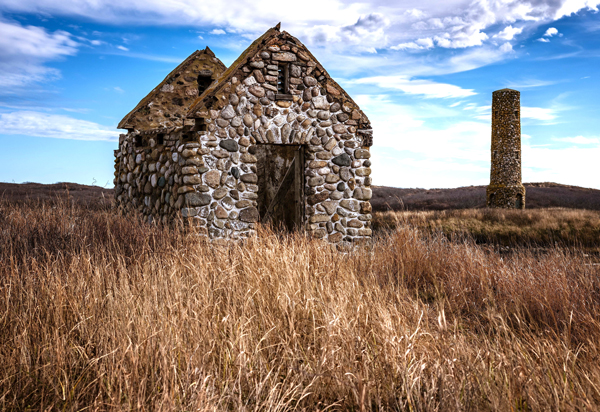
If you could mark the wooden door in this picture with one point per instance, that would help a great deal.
(280, 170)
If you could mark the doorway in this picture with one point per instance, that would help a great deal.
(519, 203)
(280, 170)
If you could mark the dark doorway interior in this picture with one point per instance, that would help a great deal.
(519, 204)
(280, 170)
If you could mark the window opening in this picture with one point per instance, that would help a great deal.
(138, 141)
(519, 202)
(201, 125)
(160, 139)
(495, 114)
(204, 80)
(283, 79)
(516, 115)
(187, 137)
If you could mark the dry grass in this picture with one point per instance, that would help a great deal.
(571, 228)
(100, 312)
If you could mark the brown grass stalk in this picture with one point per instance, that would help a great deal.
(101, 312)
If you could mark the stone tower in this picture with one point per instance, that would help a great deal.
(505, 189)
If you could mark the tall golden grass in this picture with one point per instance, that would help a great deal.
(570, 228)
(101, 312)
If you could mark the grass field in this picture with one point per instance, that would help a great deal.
(574, 229)
(101, 312)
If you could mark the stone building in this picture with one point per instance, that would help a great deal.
(505, 189)
(272, 138)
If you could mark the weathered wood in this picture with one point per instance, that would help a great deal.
(285, 185)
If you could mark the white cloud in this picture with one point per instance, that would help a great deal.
(345, 27)
(122, 48)
(571, 165)
(409, 151)
(509, 33)
(537, 113)
(31, 123)
(425, 88)
(419, 44)
(25, 49)
(552, 31)
(218, 31)
(578, 140)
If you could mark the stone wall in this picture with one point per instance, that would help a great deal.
(210, 176)
(505, 189)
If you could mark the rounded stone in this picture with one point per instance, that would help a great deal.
(219, 193)
(212, 178)
(249, 178)
(362, 154)
(310, 81)
(197, 199)
(229, 145)
(342, 160)
(249, 215)
(228, 112)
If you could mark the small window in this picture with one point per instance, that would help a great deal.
(138, 141)
(204, 80)
(516, 115)
(283, 79)
(160, 139)
(495, 114)
(187, 137)
(201, 125)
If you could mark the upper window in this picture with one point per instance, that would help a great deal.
(283, 82)
(204, 80)
(200, 125)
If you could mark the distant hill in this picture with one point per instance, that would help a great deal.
(82, 194)
(539, 195)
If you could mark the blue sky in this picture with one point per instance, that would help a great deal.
(423, 71)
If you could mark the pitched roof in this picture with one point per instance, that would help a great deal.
(205, 100)
(167, 104)
(228, 74)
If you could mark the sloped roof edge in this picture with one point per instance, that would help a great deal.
(150, 96)
(249, 53)
(227, 74)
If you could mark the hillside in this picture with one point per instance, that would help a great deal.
(82, 194)
(539, 195)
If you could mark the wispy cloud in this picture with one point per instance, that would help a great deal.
(529, 83)
(40, 124)
(538, 113)
(122, 48)
(578, 140)
(424, 88)
(26, 49)
(218, 31)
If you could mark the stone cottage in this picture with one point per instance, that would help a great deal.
(272, 138)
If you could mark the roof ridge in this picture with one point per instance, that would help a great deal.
(156, 89)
